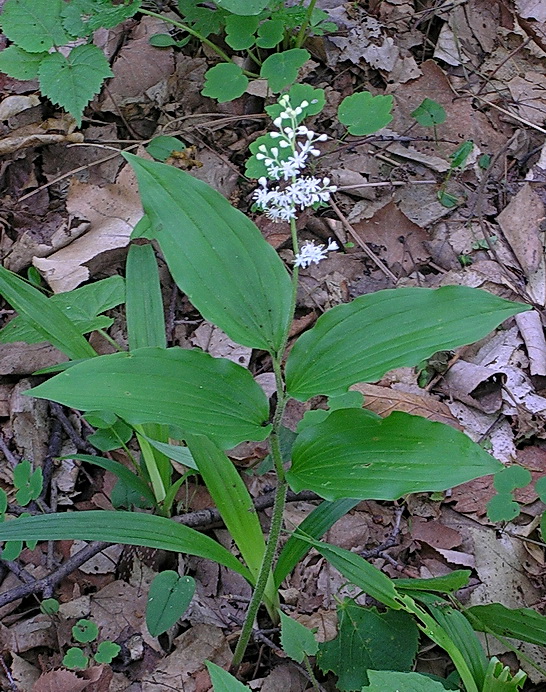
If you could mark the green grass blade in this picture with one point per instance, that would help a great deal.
(144, 305)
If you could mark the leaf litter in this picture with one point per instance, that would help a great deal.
(484, 63)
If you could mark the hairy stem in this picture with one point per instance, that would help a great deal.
(300, 38)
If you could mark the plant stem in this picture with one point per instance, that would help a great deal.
(300, 38)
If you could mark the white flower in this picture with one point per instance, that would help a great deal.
(310, 253)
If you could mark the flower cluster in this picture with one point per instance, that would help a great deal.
(309, 253)
(282, 202)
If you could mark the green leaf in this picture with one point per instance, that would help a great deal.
(34, 25)
(225, 82)
(12, 550)
(175, 452)
(389, 681)
(85, 631)
(502, 507)
(232, 499)
(128, 528)
(3, 502)
(499, 678)
(448, 201)
(362, 340)
(120, 471)
(242, 7)
(352, 453)
(364, 114)
(270, 33)
(27, 482)
(44, 316)
(144, 304)
(20, 64)
(181, 387)
(297, 641)
(350, 399)
(540, 488)
(316, 100)
(106, 652)
(205, 20)
(222, 681)
(114, 437)
(162, 147)
(368, 639)
(75, 659)
(314, 525)
(161, 41)
(49, 606)
(523, 624)
(72, 82)
(83, 17)
(429, 113)
(461, 153)
(82, 307)
(216, 255)
(240, 31)
(447, 584)
(168, 599)
(281, 69)
(512, 477)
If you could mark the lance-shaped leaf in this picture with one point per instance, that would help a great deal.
(175, 386)
(128, 528)
(362, 340)
(216, 255)
(353, 453)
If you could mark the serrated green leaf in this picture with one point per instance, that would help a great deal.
(168, 599)
(281, 69)
(389, 681)
(222, 681)
(429, 113)
(512, 477)
(106, 652)
(75, 659)
(82, 307)
(240, 31)
(216, 255)
(191, 390)
(270, 33)
(72, 82)
(128, 528)
(362, 340)
(225, 82)
(368, 639)
(352, 454)
(242, 7)
(297, 641)
(83, 17)
(162, 147)
(502, 507)
(85, 631)
(34, 25)
(364, 114)
(20, 64)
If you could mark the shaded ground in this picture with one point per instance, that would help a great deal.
(68, 210)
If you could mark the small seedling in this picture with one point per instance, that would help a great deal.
(86, 632)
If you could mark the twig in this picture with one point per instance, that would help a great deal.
(10, 456)
(391, 541)
(61, 416)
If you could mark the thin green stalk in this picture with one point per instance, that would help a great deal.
(310, 673)
(111, 341)
(300, 38)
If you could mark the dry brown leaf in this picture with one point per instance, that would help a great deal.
(532, 9)
(94, 679)
(435, 534)
(385, 400)
(213, 340)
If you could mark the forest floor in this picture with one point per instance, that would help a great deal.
(68, 210)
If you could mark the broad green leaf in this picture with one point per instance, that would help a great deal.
(240, 31)
(297, 641)
(28, 482)
(72, 82)
(162, 147)
(270, 33)
(364, 339)
(429, 113)
(168, 599)
(83, 17)
(75, 659)
(446, 584)
(225, 82)
(359, 572)
(512, 477)
(354, 453)
(231, 497)
(281, 69)
(82, 307)
(242, 7)
(144, 305)
(180, 387)
(314, 525)
(120, 471)
(20, 64)
(85, 631)
(502, 507)
(368, 639)
(34, 25)
(216, 255)
(205, 20)
(222, 681)
(106, 652)
(390, 681)
(316, 100)
(364, 114)
(175, 452)
(128, 528)
(114, 437)
(523, 624)
(44, 316)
